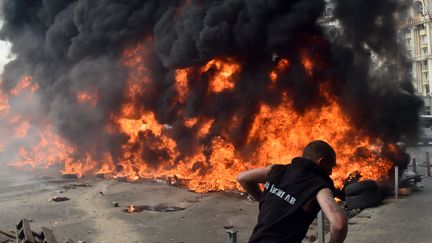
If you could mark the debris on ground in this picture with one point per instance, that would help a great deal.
(59, 199)
(24, 234)
(10, 236)
(121, 178)
(75, 185)
(69, 176)
(157, 208)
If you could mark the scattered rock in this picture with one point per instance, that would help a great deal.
(82, 185)
(115, 204)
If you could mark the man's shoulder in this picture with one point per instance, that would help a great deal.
(275, 168)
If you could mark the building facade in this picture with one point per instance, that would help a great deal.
(415, 29)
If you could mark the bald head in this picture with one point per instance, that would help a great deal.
(321, 153)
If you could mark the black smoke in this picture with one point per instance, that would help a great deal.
(68, 46)
(381, 98)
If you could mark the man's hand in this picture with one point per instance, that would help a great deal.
(337, 218)
(250, 179)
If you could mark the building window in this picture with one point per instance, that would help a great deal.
(426, 86)
(408, 42)
(421, 27)
(423, 39)
(404, 14)
(425, 63)
(426, 77)
(425, 50)
(427, 110)
(418, 7)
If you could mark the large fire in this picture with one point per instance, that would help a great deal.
(278, 133)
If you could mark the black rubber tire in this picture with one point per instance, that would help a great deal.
(365, 200)
(357, 188)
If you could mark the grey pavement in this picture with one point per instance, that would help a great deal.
(408, 219)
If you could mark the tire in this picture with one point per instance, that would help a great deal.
(364, 200)
(357, 188)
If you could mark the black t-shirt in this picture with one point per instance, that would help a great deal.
(281, 217)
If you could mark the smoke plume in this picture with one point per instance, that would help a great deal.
(72, 46)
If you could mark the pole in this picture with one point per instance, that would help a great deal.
(232, 236)
(414, 165)
(396, 187)
(321, 235)
(428, 164)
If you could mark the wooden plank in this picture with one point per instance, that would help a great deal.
(7, 234)
(48, 236)
(24, 232)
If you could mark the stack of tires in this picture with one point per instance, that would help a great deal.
(363, 194)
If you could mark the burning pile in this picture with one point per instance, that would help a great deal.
(200, 90)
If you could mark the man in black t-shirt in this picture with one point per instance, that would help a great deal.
(293, 195)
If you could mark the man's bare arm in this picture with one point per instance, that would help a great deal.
(337, 218)
(251, 178)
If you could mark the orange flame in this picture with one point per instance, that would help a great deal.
(182, 84)
(4, 104)
(281, 67)
(150, 151)
(25, 86)
(130, 209)
(223, 78)
(87, 97)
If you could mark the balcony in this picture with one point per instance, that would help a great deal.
(412, 21)
(420, 57)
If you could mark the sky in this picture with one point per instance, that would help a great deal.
(5, 55)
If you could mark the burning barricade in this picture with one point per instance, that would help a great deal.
(199, 106)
